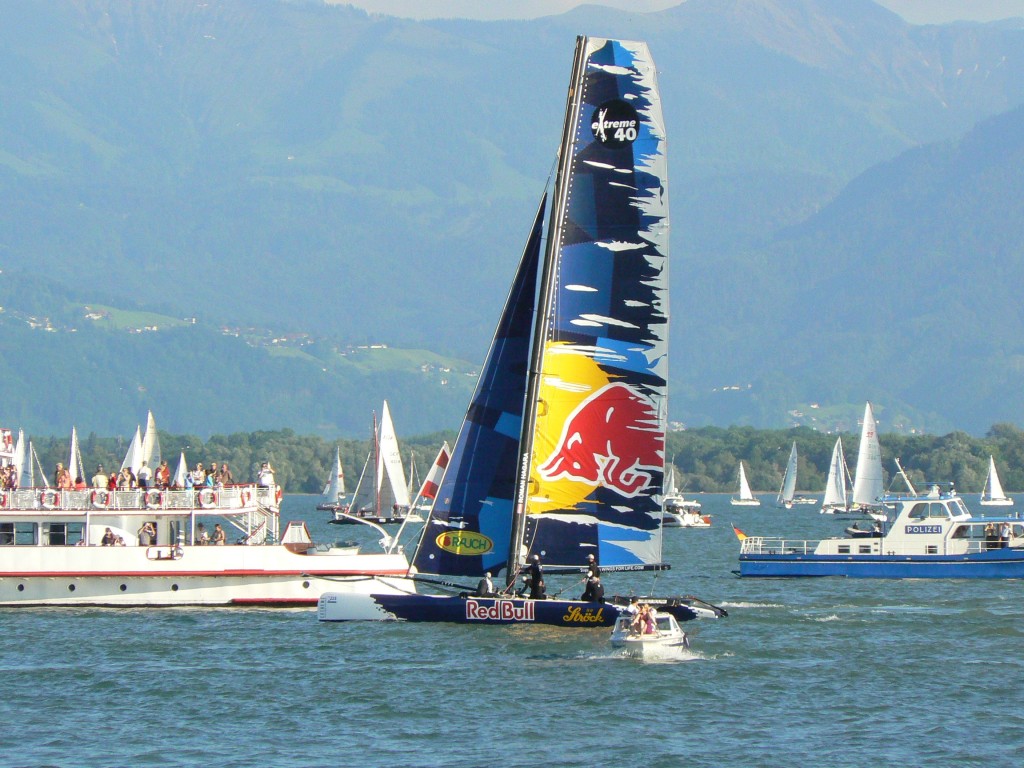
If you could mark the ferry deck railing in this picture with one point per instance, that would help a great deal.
(762, 545)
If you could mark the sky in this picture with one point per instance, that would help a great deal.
(914, 11)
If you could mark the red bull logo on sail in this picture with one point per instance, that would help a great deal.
(613, 438)
(499, 610)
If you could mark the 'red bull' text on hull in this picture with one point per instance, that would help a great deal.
(467, 609)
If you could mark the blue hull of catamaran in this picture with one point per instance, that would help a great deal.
(999, 564)
(346, 606)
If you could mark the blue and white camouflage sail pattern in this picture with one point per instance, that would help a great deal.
(597, 424)
(470, 525)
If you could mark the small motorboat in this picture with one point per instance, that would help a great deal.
(667, 638)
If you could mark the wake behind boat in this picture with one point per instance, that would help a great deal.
(561, 455)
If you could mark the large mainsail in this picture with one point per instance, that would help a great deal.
(596, 412)
(868, 484)
(336, 487)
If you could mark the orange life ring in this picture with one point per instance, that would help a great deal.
(50, 499)
(207, 498)
(153, 498)
(100, 498)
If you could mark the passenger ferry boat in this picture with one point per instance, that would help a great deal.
(933, 535)
(52, 550)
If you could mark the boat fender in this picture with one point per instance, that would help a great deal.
(100, 499)
(3, 500)
(49, 498)
(154, 498)
(207, 498)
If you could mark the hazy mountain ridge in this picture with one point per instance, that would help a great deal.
(370, 179)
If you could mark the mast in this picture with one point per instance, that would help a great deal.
(546, 291)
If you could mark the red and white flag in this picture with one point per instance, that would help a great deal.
(433, 478)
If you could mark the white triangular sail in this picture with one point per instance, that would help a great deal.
(150, 444)
(389, 465)
(868, 483)
(993, 493)
(336, 487)
(20, 453)
(670, 482)
(835, 486)
(178, 480)
(745, 497)
(788, 490)
(133, 457)
(75, 462)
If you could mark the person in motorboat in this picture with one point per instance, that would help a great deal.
(486, 587)
(1005, 534)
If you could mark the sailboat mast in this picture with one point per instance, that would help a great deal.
(546, 292)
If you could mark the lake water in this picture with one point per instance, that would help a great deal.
(815, 672)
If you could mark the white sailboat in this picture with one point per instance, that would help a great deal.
(836, 487)
(745, 498)
(133, 456)
(151, 455)
(381, 494)
(334, 492)
(677, 512)
(75, 467)
(868, 484)
(788, 490)
(992, 495)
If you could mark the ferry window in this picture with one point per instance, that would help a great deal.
(956, 506)
(25, 533)
(6, 534)
(844, 549)
(936, 510)
(919, 512)
(63, 534)
(961, 532)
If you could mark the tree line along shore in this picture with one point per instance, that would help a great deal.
(707, 458)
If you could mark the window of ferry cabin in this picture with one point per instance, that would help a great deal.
(63, 534)
(17, 533)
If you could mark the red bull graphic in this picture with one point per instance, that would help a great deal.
(500, 610)
(612, 439)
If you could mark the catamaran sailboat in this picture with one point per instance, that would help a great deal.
(381, 494)
(745, 498)
(992, 494)
(561, 453)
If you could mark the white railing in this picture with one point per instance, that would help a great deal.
(234, 499)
